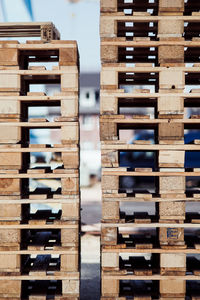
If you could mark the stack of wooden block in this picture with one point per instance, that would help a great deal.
(39, 248)
(150, 60)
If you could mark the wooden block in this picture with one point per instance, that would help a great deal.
(171, 184)
(172, 263)
(69, 236)
(171, 131)
(69, 263)
(108, 131)
(36, 94)
(110, 261)
(10, 134)
(9, 263)
(70, 287)
(70, 185)
(68, 56)
(170, 105)
(69, 106)
(108, 105)
(171, 159)
(10, 212)
(109, 236)
(172, 287)
(109, 79)
(108, 6)
(70, 133)
(38, 297)
(110, 287)
(109, 54)
(70, 159)
(9, 57)
(172, 210)
(10, 288)
(110, 182)
(37, 68)
(10, 236)
(11, 161)
(171, 5)
(171, 236)
(9, 107)
(110, 210)
(170, 55)
(108, 27)
(10, 82)
(172, 28)
(9, 186)
(142, 91)
(170, 79)
(109, 158)
(70, 211)
(69, 81)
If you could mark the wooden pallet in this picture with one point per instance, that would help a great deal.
(11, 109)
(11, 131)
(66, 289)
(14, 55)
(46, 30)
(165, 80)
(14, 82)
(113, 101)
(145, 51)
(146, 7)
(137, 27)
(39, 237)
(12, 181)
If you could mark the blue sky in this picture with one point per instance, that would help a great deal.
(77, 21)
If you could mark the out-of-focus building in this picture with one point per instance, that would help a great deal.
(89, 124)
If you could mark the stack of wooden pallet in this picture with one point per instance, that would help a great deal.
(39, 248)
(150, 61)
